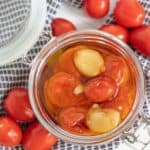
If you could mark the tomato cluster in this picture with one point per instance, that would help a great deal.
(18, 109)
(129, 16)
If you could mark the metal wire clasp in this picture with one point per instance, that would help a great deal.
(135, 135)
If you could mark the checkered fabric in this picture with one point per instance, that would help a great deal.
(16, 74)
(13, 16)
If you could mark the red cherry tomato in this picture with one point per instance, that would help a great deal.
(139, 38)
(38, 138)
(101, 89)
(117, 69)
(129, 13)
(59, 90)
(17, 105)
(123, 101)
(72, 118)
(116, 30)
(10, 132)
(97, 8)
(60, 26)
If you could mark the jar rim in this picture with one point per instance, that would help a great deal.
(59, 132)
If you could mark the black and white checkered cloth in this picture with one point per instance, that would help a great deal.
(13, 15)
(16, 74)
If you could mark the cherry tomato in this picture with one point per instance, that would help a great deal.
(116, 30)
(73, 118)
(60, 26)
(101, 89)
(17, 105)
(10, 132)
(38, 138)
(97, 8)
(117, 69)
(123, 102)
(129, 13)
(59, 90)
(139, 38)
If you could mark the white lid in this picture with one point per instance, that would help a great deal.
(25, 39)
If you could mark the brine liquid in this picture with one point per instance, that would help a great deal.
(127, 90)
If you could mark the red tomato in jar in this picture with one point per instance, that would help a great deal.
(38, 138)
(117, 69)
(117, 30)
(17, 105)
(73, 118)
(139, 38)
(10, 132)
(60, 26)
(59, 89)
(129, 13)
(123, 101)
(101, 89)
(97, 8)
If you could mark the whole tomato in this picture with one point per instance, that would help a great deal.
(10, 132)
(17, 105)
(38, 138)
(103, 88)
(97, 8)
(75, 119)
(139, 38)
(60, 26)
(129, 13)
(123, 101)
(117, 69)
(58, 90)
(117, 30)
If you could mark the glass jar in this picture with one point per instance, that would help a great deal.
(39, 72)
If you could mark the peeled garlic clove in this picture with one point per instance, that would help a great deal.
(114, 116)
(78, 89)
(101, 121)
(89, 62)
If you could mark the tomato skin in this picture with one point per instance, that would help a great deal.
(10, 132)
(59, 90)
(17, 105)
(139, 38)
(72, 118)
(103, 88)
(129, 13)
(97, 8)
(122, 102)
(117, 69)
(37, 137)
(117, 30)
(60, 26)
